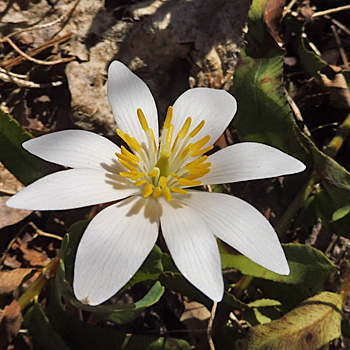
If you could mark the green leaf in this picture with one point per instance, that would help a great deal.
(81, 335)
(119, 312)
(16, 159)
(40, 329)
(308, 266)
(310, 326)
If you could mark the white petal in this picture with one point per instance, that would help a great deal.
(249, 161)
(126, 93)
(70, 189)
(75, 149)
(241, 226)
(113, 248)
(215, 107)
(193, 247)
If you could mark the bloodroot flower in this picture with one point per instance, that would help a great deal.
(151, 179)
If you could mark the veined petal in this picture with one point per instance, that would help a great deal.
(113, 248)
(193, 247)
(126, 93)
(249, 161)
(70, 189)
(241, 226)
(215, 107)
(75, 149)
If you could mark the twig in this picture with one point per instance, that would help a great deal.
(339, 25)
(327, 12)
(288, 8)
(14, 61)
(46, 25)
(210, 325)
(10, 77)
(44, 63)
(340, 47)
(42, 233)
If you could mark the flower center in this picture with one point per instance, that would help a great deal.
(165, 168)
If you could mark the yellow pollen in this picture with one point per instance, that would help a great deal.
(204, 150)
(197, 129)
(157, 192)
(126, 158)
(163, 182)
(186, 182)
(138, 176)
(129, 154)
(127, 165)
(121, 135)
(142, 119)
(147, 190)
(154, 172)
(141, 182)
(169, 116)
(167, 194)
(178, 190)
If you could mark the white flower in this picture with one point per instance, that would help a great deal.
(152, 179)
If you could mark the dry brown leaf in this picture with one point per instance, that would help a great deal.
(273, 17)
(10, 323)
(9, 185)
(34, 257)
(10, 280)
(334, 81)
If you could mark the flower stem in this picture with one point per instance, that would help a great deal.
(39, 284)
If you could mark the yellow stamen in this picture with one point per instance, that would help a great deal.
(197, 129)
(141, 182)
(128, 174)
(196, 162)
(197, 175)
(142, 119)
(195, 147)
(182, 133)
(126, 158)
(127, 165)
(154, 172)
(204, 150)
(169, 135)
(132, 142)
(129, 154)
(147, 190)
(163, 182)
(169, 116)
(178, 190)
(138, 176)
(157, 192)
(153, 139)
(121, 135)
(186, 182)
(167, 194)
(174, 176)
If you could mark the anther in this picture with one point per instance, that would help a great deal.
(167, 194)
(142, 119)
(163, 182)
(178, 190)
(197, 129)
(157, 192)
(169, 116)
(147, 190)
(139, 183)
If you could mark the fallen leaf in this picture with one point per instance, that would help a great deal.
(273, 17)
(10, 323)
(313, 324)
(10, 280)
(34, 257)
(9, 185)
